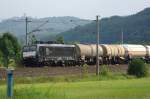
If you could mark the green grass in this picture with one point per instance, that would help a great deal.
(108, 89)
(73, 78)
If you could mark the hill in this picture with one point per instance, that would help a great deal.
(136, 29)
(55, 25)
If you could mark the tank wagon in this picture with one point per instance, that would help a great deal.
(113, 53)
(62, 54)
(133, 51)
(147, 53)
(87, 53)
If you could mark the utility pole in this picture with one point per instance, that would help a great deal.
(26, 20)
(26, 23)
(97, 52)
(122, 36)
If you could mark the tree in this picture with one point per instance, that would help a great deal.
(60, 40)
(73, 42)
(1, 59)
(33, 39)
(10, 48)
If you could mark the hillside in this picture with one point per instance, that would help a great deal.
(136, 29)
(55, 25)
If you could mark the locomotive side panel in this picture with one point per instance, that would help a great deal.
(58, 52)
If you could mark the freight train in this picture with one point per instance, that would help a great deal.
(63, 54)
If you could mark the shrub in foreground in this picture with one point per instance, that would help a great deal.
(85, 70)
(138, 68)
(104, 70)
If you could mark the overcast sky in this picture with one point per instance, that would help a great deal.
(87, 9)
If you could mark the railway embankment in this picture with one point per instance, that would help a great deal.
(57, 71)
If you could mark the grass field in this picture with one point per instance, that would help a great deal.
(109, 89)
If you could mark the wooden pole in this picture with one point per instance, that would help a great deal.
(97, 51)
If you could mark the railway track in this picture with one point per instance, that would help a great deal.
(57, 71)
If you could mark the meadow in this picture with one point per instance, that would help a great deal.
(106, 89)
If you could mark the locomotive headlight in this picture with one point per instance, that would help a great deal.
(29, 54)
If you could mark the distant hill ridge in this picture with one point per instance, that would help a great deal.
(136, 29)
(55, 25)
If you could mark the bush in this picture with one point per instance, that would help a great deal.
(138, 68)
(85, 70)
(104, 70)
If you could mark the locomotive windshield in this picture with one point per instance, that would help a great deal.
(29, 48)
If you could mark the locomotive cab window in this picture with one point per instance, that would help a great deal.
(48, 51)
